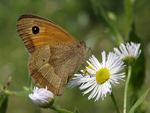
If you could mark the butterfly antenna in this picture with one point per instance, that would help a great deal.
(96, 35)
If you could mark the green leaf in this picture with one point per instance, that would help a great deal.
(138, 69)
(76, 111)
(140, 100)
(22, 93)
(18, 93)
(3, 103)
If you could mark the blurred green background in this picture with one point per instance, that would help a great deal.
(77, 17)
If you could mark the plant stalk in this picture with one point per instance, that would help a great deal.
(126, 89)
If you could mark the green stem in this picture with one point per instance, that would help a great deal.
(128, 12)
(107, 23)
(126, 89)
(59, 110)
(30, 83)
(114, 101)
(9, 92)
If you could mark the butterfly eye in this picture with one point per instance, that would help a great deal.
(35, 30)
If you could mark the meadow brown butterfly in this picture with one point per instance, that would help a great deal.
(55, 53)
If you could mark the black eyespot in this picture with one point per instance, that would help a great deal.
(35, 30)
(43, 60)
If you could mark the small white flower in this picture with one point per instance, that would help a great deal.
(129, 52)
(102, 75)
(42, 97)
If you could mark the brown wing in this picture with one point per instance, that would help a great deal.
(53, 65)
(36, 31)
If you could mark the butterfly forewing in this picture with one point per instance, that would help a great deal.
(48, 32)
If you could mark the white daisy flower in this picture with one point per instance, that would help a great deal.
(42, 97)
(102, 75)
(129, 52)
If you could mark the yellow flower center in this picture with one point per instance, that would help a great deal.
(102, 75)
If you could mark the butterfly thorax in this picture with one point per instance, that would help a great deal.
(83, 44)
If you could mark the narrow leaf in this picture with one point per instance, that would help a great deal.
(140, 100)
(3, 103)
(22, 93)
(76, 111)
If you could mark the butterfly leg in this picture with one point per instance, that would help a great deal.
(89, 49)
(81, 73)
(86, 72)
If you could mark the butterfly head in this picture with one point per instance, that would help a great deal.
(83, 44)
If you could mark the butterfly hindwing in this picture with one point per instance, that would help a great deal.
(53, 65)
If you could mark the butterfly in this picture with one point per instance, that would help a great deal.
(55, 54)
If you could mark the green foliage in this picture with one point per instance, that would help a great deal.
(3, 102)
(139, 101)
(129, 16)
(22, 93)
(138, 69)
(76, 111)
(107, 23)
(82, 19)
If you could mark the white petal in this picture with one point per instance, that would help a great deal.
(117, 52)
(103, 58)
(123, 49)
(86, 85)
(95, 62)
(99, 93)
(91, 65)
(88, 90)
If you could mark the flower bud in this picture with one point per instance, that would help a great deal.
(42, 97)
